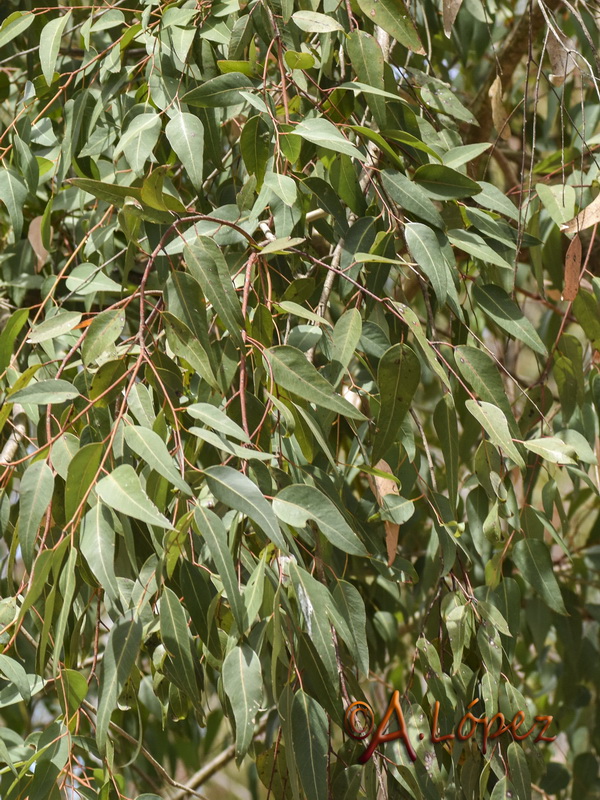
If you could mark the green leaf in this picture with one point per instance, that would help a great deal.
(215, 536)
(219, 92)
(532, 559)
(43, 392)
(294, 373)
(120, 655)
(14, 25)
(117, 195)
(446, 426)
(207, 264)
(506, 313)
(476, 246)
(310, 745)
(13, 193)
(346, 336)
(243, 684)
(553, 449)
(15, 673)
(50, 45)
(492, 419)
(393, 17)
(491, 197)
(217, 419)
(519, 771)
(350, 605)
(367, 60)
(255, 144)
(104, 329)
(438, 96)
(314, 22)
(148, 445)
(88, 279)
(411, 319)
(398, 377)
(122, 491)
(425, 246)
(12, 327)
(59, 324)
(443, 183)
(176, 639)
(35, 494)
(139, 140)
(185, 133)
(321, 132)
(457, 156)
(411, 197)
(481, 373)
(237, 491)
(97, 545)
(283, 186)
(83, 471)
(298, 503)
(296, 60)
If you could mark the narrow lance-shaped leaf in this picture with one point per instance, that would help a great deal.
(494, 422)
(122, 649)
(207, 264)
(309, 742)
(294, 373)
(50, 45)
(237, 491)
(215, 536)
(185, 133)
(37, 486)
(507, 314)
(122, 490)
(532, 558)
(148, 445)
(299, 503)
(398, 377)
(242, 681)
(97, 544)
(176, 638)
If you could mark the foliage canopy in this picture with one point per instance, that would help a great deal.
(300, 395)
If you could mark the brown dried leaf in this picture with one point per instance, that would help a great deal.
(561, 60)
(572, 269)
(34, 234)
(451, 9)
(585, 219)
(380, 487)
(499, 116)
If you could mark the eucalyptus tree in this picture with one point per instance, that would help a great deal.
(300, 395)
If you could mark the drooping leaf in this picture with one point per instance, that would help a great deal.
(309, 742)
(507, 314)
(242, 681)
(494, 422)
(237, 491)
(120, 654)
(149, 446)
(298, 503)
(532, 559)
(37, 486)
(122, 490)
(50, 44)
(215, 535)
(185, 133)
(398, 377)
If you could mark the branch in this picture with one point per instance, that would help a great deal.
(515, 47)
(16, 437)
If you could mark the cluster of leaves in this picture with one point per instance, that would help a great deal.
(300, 396)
